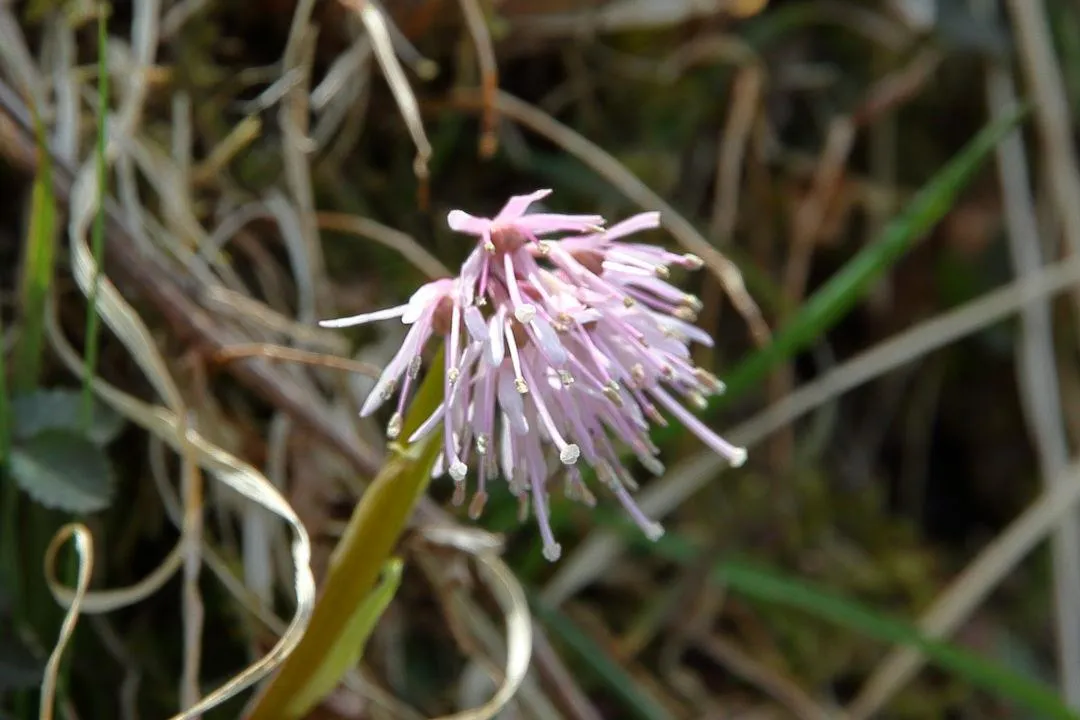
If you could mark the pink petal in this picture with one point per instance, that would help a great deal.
(429, 424)
(548, 341)
(422, 299)
(474, 321)
(516, 206)
(463, 222)
(542, 223)
(496, 345)
(511, 403)
(364, 318)
(631, 225)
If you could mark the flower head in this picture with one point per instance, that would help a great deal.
(557, 351)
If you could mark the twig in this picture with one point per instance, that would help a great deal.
(193, 611)
(277, 352)
(377, 29)
(778, 687)
(489, 74)
(746, 93)
(411, 250)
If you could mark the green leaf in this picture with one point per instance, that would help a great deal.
(37, 273)
(346, 652)
(62, 469)
(361, 554)
(989, 676)
(43, 410)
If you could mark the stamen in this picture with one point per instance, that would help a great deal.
(568, 452)
(458, 471)
(685, 313)
(393, 428)
(524, 314)
(692, 262)
(519, 381)
(476, 505)
(693, 302)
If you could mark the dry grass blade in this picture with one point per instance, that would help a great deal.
(747, 92)
(489, 74)
(297, 221)
(238, 476)
(96, 602)
(511, 599)
(192, 607)
(277, 352)
(628, 15)
(605, 165)
(377, 29)
(1036, 54)
(1036, 362)
(253, 313)
(779, 687)
(242, 135)
(171, 426)
(411, 250)
(84, 546)
(18, 61)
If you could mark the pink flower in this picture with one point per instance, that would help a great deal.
(557, 350)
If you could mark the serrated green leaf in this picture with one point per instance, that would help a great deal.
(62, 469)
(36, 412)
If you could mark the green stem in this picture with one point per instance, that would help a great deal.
(359, 558)
(90, 357)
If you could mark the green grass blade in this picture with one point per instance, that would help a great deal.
(848, 286)
(38, 261)
(841, 293)
(360, 555)
(615, 678)
(769, 586)
(90, 355)
(990, 677)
